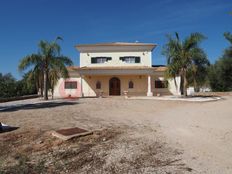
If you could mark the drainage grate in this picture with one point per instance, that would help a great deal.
(66, 134)
(71, 131)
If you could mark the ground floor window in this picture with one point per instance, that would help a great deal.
(70, 85)
(161, 84)
(98, 85)
(131, 84)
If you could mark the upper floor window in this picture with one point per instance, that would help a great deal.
(98, 85)
(70, 85)
(161, 84)
(130, 59)
(100, 59)
(131, 84)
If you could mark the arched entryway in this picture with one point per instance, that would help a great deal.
(114, 86)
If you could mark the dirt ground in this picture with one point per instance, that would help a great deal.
(130, 136)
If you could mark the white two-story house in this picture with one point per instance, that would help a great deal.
(112, 69)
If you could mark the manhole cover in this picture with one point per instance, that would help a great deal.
(66, 134)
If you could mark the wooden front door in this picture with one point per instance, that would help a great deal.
(114, 86)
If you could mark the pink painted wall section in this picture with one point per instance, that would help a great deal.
(69, 93)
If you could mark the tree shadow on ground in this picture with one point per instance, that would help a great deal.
(35, 106)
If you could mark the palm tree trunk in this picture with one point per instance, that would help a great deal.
(182, 82)
(41, 91)
(45, 85)
(37, 86)
(195, 85)
(40, 86)
(185, 83)
(52, 92)
(39, 83)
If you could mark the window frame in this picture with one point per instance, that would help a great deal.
(131, 59)
(161, 84)
(131, 84)
(98, 85)
(100, 60)
(70, 85)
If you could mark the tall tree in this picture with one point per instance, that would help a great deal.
(197, 73)
(28, 84)
(220, 74)
(184, 58)
(53, 79)
(10, 87)
(7, 85)
(48, 58)
(35, 75)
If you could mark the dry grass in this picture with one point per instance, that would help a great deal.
(105, 151)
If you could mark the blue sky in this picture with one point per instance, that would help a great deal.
(24, 23)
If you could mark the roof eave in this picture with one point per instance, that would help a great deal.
(81, 47)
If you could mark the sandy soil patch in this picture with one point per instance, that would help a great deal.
(134, 136)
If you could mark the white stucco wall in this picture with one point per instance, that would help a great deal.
(174, 88)
(145, 57)
(87, 90)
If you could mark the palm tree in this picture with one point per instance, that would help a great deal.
(53, 79)
(228, 51)
(182, 57)
(36, 76)
(48, 58)
(36, 73)
(197, 73)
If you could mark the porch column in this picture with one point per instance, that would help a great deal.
(149, 93)
(82, 94)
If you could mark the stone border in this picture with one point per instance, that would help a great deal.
(175, 98)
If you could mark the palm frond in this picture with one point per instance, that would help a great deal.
(28, 61)
(228, 36)
(65, 60)
(55, 49)
(177, 36)
(58, 38)
(60, 67)
(193, 41)
(53, 77)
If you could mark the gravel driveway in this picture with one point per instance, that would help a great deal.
(195, 137)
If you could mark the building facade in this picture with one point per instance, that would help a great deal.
(112, 69)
